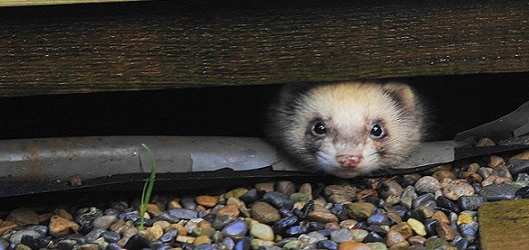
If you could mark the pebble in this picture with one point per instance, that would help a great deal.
(412, 211)
(457, 188)
(262, 231)
(265, 213)
(23, 216)
(235, 229)
(417, 226)
(427, 184)
(59, 226)
(501, 191)
(206, 200)
(351, 245)
(360, 210)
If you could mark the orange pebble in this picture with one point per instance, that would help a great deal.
(351, 245)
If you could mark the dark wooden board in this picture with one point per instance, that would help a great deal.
(165, 44)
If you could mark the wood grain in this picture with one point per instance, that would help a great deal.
(153, 45)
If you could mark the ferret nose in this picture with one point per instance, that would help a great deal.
(349, 161)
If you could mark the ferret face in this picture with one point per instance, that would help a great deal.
(352, 129)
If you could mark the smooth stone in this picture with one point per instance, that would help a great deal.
(113, 246)
(340, 193)
(339, 211)
(342, 235)
(501, 191)
(265, 213)
(423, 200)
(424, 211)
(471, 202)
(169, 235)
(522, 193)
(243, 244)
(183, 213)
(430, 226)
(17, 236)
(251, 196)
(201, 240)
(235, 193)
(104, 221)
(440, 175)
(66, 244)
(88, 246)
(59, 226)
(278, 200)
(517, 166)
(231, 210)
(469, 230)
(322, 217)
(360, 210)
(457, 188)
(235, 229)
(351, 245)
(206, 200)
(282, 225)
(389, 188)
(484, 172)
(448, 204)
(285, 187)
(417, 240)
(295, 231)
(359, 234)
(188, 203)
(381, 246)
(441, 217)
(136, 242)
(94, 234)
(374, 237)
(394, 237)
(299, 197)
(204, 246)
(502, 171)
(403, 228)
(327, 244)
(262, 231)
(23, 216)
(34, 242)
(292, 244)
(445, 231)
(417, 226)
(427, 184)
(409, 191)
(111, 237)
(406, 202)
(437, 243)
(378, 219)
(262, 244)
(221, 221)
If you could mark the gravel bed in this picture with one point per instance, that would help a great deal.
(436, 209)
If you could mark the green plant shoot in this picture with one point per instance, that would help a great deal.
(147, 188)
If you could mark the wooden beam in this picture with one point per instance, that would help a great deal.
(8, 3)
(153, 45)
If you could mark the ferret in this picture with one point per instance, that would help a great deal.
(346, 129)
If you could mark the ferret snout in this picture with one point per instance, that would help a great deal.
(349, 160)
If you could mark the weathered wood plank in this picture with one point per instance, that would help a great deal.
(52, 2)
(503, 225)
(151, 45)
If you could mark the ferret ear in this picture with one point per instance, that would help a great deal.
(403, 95)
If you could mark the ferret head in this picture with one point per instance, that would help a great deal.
(350, 129)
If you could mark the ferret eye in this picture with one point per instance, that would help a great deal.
(319, 129)
(377, 131)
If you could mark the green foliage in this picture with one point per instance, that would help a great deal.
(147, 189)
